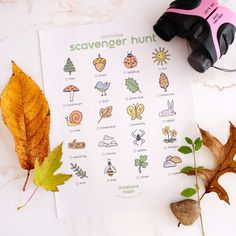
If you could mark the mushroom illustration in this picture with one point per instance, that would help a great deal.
(71, 89)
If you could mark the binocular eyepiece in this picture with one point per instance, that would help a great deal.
(164, 29)
(208, 27)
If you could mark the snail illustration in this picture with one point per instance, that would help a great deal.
(74, 118)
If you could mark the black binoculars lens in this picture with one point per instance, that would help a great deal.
(164, 29)
(199, 61)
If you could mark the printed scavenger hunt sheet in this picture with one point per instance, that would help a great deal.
(120, 100)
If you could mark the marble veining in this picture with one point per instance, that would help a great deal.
(75, 12)
(55, 12)
(10, 173)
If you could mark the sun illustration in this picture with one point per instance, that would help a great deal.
(161, 56)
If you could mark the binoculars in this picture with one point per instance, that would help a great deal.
(208, 27)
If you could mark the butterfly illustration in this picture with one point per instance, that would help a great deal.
(135, 111)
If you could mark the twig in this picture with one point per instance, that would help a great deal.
(26, 181)
(202, 196)
(198, 196)
(18, 208)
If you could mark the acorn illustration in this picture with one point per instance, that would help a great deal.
(99, 63)
(130, 61)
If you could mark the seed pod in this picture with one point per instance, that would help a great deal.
(186, 211)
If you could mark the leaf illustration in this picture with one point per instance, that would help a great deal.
(144, 164)
(224, 158)
(105, 113)
(143, 158)
(132, 85)
(45, 174)
(26, 113)
(137, 162)
(141, 162)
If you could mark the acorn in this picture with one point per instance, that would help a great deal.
(186, 211)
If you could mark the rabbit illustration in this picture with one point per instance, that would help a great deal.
(169, 111)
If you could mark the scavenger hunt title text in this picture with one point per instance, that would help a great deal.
(113, 43)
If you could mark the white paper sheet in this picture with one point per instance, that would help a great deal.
(126, 160)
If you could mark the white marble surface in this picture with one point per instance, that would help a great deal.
(214, 96)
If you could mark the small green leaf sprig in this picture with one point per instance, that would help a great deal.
(193, 147)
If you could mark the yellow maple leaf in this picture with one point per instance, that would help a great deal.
(26, 113)
(45, 173)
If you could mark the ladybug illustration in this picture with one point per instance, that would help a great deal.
(130, 61)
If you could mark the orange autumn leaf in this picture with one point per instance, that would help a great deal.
(224, 159)
(26, 113)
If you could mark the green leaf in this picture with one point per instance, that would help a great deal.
(186, 169)
(144, 164)
(188, 192)
(185, 150)
(197, 140)
(189, 140)
(198, 145)
(44, 174)
(143, 158)
(200, 167)
(137, 162)
(132, 85)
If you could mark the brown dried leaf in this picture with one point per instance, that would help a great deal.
(224, 157)
(26, 113)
